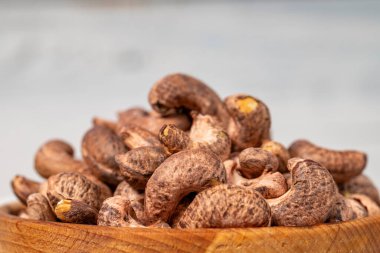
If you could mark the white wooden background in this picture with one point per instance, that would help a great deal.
(315, 63)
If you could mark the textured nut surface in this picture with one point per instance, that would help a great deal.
(135, 137)
(100, 145)
(74, 211)
(343, 165)
(153, 121)
(73, 186)
(114, 213)
(205, 132)
(279, 151)
(177, 91)
(182, 173)
(23, 187)
(371, 207)
(250, 121)
(255, 161)
(137, 165)
(361, 185)
(310, 199)
(226, 206)
(126, 190)
(38, 208)
(343, 210)
(270, 185)
(54, 157)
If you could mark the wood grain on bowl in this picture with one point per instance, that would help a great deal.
(19, 235)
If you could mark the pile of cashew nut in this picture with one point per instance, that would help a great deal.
(195, 161)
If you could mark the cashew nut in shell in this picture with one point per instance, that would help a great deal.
(343, 165)
(226, 206)
(310, 199)
(182, 173)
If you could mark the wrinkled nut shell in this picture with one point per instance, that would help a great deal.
(115, 213)
(23, 187)
(100, 145)
(73, 186)
(343, 165)
(54, 157)
(361, 185)
(153, 121)
(271, 185)
(250, 121)
(255, 161)
(182, 173)
(126, 190)
(371, 207)
(135, 137)
(280, 152)
(177, 91)
(173, 138)
(38, 208)
(74, 211)
(310, 199)
(226, 206)
(138, 165)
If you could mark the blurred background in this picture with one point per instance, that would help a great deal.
(316, 64)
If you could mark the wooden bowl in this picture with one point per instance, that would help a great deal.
(19, 235)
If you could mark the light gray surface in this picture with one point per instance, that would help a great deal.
(316, 65)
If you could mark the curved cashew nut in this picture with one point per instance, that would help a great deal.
(100, 145)
(205, 133)
(137, 165)
(270, 185)
(135, 137)
(346, 209)
(115, 213)
(249, 122)
(38, 208)
(74, 211)
(126, 190)
(73, 186)
(279, 151)
(226, 206)
(343, 165)
(153, 121)
(54, 157)
(255, 161)
(361, 185)
(23, 187)
(367, 203)
(309, 200)
(182, 173)
(177, 91)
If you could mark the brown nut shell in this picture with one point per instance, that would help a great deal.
(135, 137)
(361, 185)
(73, 186)
(177, 91)
(137, 165)
(255, 161)
(38, 208)
(54, 157)
(250, 121)
(23, 187)
(115, 213)
(270, 185)
(153, 121)
(100, 145)
(310, 199)
(126, 190)
(226, 206)
(182, 173)
(280, 151)
(173, 138)
(74, 211)
(343, 165)
(367, 202)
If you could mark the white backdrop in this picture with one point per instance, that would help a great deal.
(316, 64)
